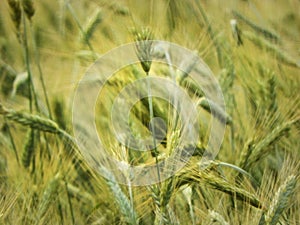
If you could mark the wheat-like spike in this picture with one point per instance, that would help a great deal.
(160, 216)
(34, 121)
(119, 9)
(49, 195)
(155, 194)
(224, 186)
(172, 14)
(192, 88)
(193, 175)
(273, 96)
(39, 123)
(15, 13)
(143, 45)
(91, 25)
(280, 200)
(126, 208)
(28, 149)
(87, 55)
(264, 44)
(59, 114)
(83, 173)
(216, 217)
(28, 7)
(187, 66)
(236, 32)
(166, 192)
(80, 194)
(173, 219)
(260, 148)
(258, 29)
(246, 152)
(216, 110)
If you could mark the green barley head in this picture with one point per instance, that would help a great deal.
(144, 43)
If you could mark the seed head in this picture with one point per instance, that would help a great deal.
(28, 8)
(144, 42)
(15, 13)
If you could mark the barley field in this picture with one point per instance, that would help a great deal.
(252, 50)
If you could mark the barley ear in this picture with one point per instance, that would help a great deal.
(272, 94)
(126, 208)
(281, 55)
(92, 24)
(34, 121)
(263, 146)
(246, 152)
(49, 195)
(215, 110)
(15, 13)
(266, 33)
(143, 45)
(28, 149)
(28, 7)
(280, 201)
(216, 217)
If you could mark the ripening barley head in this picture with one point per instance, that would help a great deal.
(144, 42)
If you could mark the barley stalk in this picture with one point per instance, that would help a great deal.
(38, 63)
(13, 144)
(144, 51)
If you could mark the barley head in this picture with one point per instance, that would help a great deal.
(144, 48)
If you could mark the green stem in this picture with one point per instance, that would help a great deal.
(37, 61)
(32, 93)
(26, 59)
(151, 124)
(12, 141)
